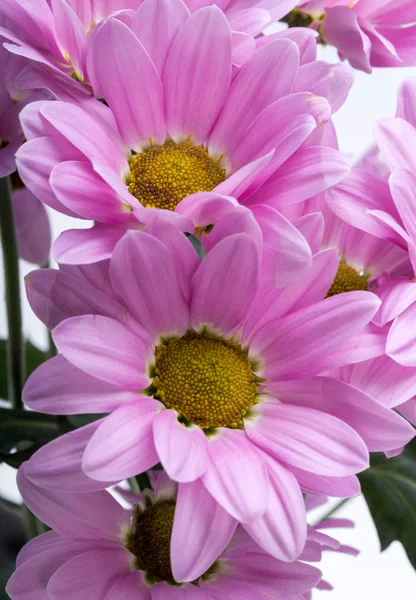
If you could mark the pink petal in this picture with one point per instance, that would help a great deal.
(201, 531)
(89, 575)
(206, 208)
(266, 77)
(338, 487)
(32, 227)
(401, 341)
(396, 296)
(59, 388)
(56, 295)
(251, 20)
(123, 444)
(105, 349)
(197, 75)
(182, 450)
(406, 106)
(237, 476)
(93, 515)
(121, 69)
(298, 344)
(157, 24)
(222, 291)
(402, 185)
(308, 439)
(57, 465)
(128, 586)
(71, 34)
(84, 246)
(140, 257)
(333, 82)
(84, 192)
(240, 182)
(281, 531)
(397, 141)
(42, 543)
(312, 227)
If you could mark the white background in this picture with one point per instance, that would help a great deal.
(370, 576)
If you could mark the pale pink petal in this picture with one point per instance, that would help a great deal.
(56, 295)
(312, 228)
(396, 296)
(243, 47)
(265, 78)
(59, 388)
(246, 178)
(104, 348)
(333, 82)
(183, 451)
(71, 34)
(222, 291)
(32, 227)
(237, 476)
(281, 531)
(308, 439)
(129, 586)
(89, 575)
(80, 189)
(93, 515)
(84, 246)
(401, 340)
(42, 543)
(206, 208)
(57, 465)
(197, 75)
(123, 444)
(402, 185)
(397, 141)
(156, 24)
(123, 72)
(338, 487)
(298, 344)
(138, 258)
(201, 531)
(406, 105)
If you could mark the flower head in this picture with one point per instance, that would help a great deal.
(196, 365)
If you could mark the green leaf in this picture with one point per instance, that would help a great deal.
(389, 487)
(34, 358)
(5, 574)
(24, 429)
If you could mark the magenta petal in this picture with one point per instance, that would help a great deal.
(123, 444)
(71, 34)
(222, 291)
(57, 465)
(333, 82)
(312, 228)
(93, 515)
(397, 141)
(281, 531)
(401, 340)
(138, 258)
(121, 69)
(183, 451)
(104, 348)
(197, 75)
(42, 543)
(201, 531)
(89, 575)
(308, 439)
(237, 476)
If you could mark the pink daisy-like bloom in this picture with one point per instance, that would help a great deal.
(368, 33)
(169, 133)
(188, 357)
(55, 34)
(98, 550)
(33, 229)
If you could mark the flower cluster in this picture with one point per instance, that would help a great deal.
(237, 322)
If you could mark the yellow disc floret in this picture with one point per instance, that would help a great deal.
(347, 279)
(163, 175)
(207, 380)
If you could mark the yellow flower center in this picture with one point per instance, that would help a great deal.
(207, 380)
(163, 175)
(347, 279)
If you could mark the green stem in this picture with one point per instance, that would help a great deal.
(51, 350)
(15, 347)
(133, 483)
(140, 483)
(333, 510)
(31, 523)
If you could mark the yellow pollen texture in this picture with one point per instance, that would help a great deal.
(149, 540)
(207, 380)
(347, 279)
(163, 175)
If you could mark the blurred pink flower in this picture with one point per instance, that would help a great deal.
(32, 227)
(368, 33)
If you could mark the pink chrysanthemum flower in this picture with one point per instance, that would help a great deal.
(188, 358)
(368, 33)
(98, 550)
(55, 34)
(170, 132)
